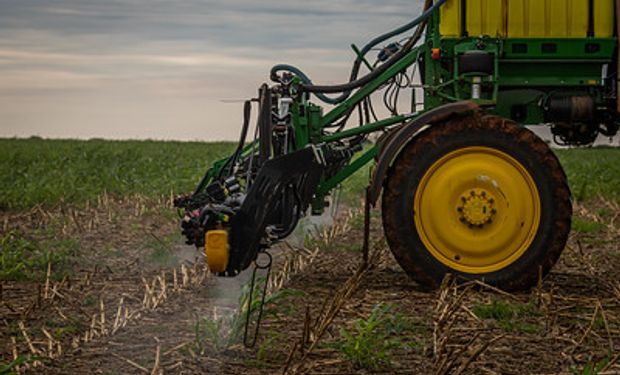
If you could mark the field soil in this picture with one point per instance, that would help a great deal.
(134, 300)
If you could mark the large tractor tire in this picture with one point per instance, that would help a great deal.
(479, 198)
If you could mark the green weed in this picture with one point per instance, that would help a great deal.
(25, 259)
(605, 212)
(89, 300)
(368, 344)
(597, 241)
(586, 226)
(510, 317)
(592, 172)
(69, 330)
(9, 368)
(346, 246)
(225, 331)
(357, 221)
(265, 352)
(592, 368)
(353, 188)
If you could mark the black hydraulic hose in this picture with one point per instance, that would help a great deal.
(363, 52)
(354, 82)
(382, 38)
(331, 89)
(264, 124)
(382, 68)
(247, 109)
(297, 214)
(232, 160)
(412, 41)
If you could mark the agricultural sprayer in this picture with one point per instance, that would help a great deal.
(465, 188)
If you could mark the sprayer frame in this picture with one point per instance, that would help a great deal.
(574, 72)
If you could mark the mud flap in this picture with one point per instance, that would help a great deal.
(299, 169)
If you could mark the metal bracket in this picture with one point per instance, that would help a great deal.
(247, 342)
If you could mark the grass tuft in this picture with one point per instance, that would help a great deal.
(370, 342)
(592, 172)
(25, 259)
(586, 226)
(592, 367)
(222, 332)
(510, 317)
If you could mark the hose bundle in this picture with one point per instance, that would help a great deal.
(354, 81)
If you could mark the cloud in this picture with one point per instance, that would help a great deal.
(70, 60)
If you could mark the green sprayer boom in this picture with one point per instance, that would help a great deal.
(465, 188)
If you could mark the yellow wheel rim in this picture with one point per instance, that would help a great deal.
(477, 210)
(216, 250)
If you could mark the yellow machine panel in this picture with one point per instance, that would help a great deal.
(486, 17)
(450, 14)
(528, 18)
(216, 250)
(604, 18)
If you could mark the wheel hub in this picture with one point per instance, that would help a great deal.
(477, 208)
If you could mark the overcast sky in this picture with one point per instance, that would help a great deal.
(167, 69)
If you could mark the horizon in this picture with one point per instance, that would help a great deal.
(165, 70)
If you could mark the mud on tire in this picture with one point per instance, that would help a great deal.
(408, 170)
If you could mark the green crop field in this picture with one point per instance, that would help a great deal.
(133, 244)
(592, 172)
(37, 171)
